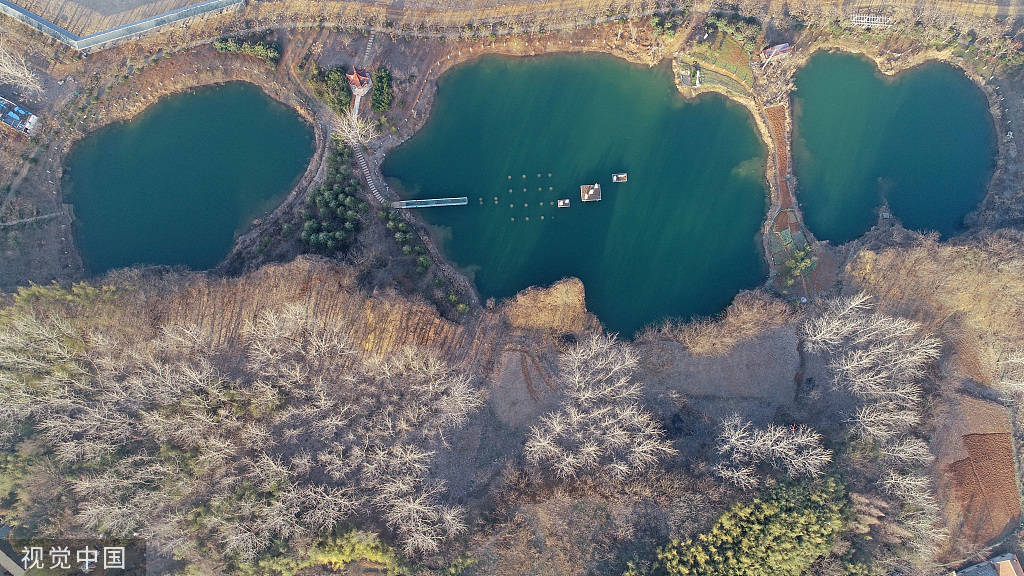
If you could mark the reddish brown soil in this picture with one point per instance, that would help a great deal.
(786, 219)
(776, 116)
(985, 487)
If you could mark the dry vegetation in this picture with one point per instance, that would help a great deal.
(558, 308)
(217, 452)
(795, 450)
(970, 290)
(971, 287)
(750, 314)
(236, 420)
(882, 361)
(600, 429)
(15, 70)
(354, 130)
(231, 420)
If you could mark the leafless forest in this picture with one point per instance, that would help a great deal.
(218, 444)
(883, 361)
(199, 447)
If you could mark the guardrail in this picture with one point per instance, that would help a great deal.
(113, 36)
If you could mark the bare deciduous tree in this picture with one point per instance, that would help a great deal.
(301, 433)
(742, 477)
(796, 450)
(600, 428)
(883, 421)
(354, 130)
(14, 70)
(1011, 369)
(908, 451)
(882, 360)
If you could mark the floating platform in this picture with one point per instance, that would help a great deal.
(621, 177)
(590, 193)
(563, 203)
(430, 202)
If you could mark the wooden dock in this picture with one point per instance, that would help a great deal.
(430, 202)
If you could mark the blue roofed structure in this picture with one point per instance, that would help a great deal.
(17, 117)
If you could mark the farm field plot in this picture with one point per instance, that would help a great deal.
(776, 116)
(728, 82)
(985, 486)
(722, 52)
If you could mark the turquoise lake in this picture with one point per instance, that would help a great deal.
(515, 135)
(177, 183)
(923, 141)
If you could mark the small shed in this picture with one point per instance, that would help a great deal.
(783, 49)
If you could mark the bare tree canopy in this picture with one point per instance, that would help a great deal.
(883, 360)
(795, 450)
(281, 436)
(14, 70)
(354, 130)
(600, 428)
(1011, 378)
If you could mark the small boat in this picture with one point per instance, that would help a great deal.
(619, 177)
(563, 203)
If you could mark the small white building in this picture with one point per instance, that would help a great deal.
(784, 49)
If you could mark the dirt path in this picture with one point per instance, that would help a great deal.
(39, 218)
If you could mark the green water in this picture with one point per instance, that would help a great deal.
(175, 185)
(924, 141)
(680, 238)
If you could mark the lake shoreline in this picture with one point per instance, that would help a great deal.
(199, 68)
(282, 86)
(892, 68)
(756, 105)
(179, 182)
(612, 116)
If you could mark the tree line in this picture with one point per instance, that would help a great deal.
(333, 212)
(263, 50)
